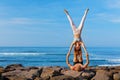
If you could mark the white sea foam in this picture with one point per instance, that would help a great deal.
(110, 65)
(21, 54)
(113, 60)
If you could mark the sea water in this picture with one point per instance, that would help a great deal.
(56, 56)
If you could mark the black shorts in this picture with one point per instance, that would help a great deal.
(77, 62)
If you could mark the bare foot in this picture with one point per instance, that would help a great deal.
(87, 10)
(65, 11)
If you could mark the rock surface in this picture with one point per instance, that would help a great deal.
(19, 72)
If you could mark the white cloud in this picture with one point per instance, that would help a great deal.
(112, 12)
(108, 17)
(29, 21)
(20, 21)
(113, 3)
(25, 21)
(116, 20)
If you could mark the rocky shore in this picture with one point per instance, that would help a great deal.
(19, 72)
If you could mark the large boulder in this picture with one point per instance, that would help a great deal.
(103, 75)
(88, 74)
(62, 77)
(13, 67)
(116, 76)
(50, 72)
(2, 70)
(74, 74)
(22, 74)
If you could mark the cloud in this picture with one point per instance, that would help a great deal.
(29, 21)
(25, 21)
(113, 4)
(112, 12)
(115, 20)
(108, 17)
(20, 21)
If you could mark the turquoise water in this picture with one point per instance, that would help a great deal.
(56, 56)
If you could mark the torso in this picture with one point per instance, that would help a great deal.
(76, 35)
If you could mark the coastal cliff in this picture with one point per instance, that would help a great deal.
(19, 72)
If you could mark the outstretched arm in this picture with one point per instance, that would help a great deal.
(87, 61)
(82, 21)
(70, 20)
(87, 56)
(68, 54)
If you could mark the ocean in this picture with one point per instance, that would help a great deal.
(56, 56)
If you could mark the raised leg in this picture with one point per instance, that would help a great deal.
(82, 21)
(70, 20)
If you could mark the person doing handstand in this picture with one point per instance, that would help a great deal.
(77, 38)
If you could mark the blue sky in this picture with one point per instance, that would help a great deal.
(43, 22)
